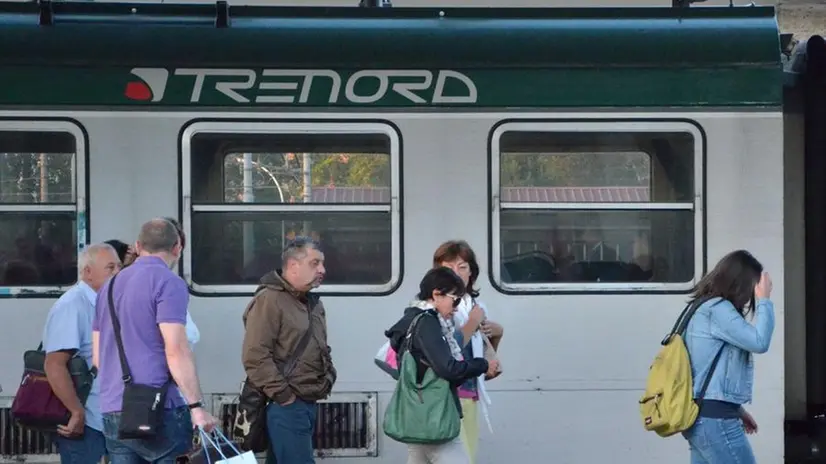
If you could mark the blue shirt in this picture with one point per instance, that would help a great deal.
(146, 294)
(467, 354)
(717, 324)
(69, 327)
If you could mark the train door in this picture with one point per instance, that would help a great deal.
(805, 225)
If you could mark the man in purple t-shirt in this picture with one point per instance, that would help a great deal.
(151, 303)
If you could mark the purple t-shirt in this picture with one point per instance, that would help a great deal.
(146, 294)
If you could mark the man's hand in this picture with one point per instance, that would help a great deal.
(75, 427)
(203, 419)
(289, 401)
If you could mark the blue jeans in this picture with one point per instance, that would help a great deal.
(88, 449)
(174, 439)
(291, 430)
(719, 441)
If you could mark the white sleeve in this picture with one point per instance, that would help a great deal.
(193, 335)
(484, 308)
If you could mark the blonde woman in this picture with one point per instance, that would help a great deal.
(471, 321)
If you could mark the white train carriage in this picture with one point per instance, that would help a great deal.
(598, 160)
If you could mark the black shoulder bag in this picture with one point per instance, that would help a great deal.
(251, 419)
(143, 405)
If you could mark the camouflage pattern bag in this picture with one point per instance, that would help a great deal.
(250, 428)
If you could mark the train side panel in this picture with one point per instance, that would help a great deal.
(575, 361)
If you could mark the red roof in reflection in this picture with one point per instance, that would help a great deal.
(575, 194)
(351, 195)
(509, 194)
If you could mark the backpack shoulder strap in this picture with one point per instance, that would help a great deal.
(680, 328)
(707, 380)
(682, 321)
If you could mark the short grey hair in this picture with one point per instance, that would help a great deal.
(158, 236)
(87, 256)
(297, 249)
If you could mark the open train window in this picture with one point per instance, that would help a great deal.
(596, 206)
(251, 187)
(42, 205)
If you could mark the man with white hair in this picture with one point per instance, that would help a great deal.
(68, 332)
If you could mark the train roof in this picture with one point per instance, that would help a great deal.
(514, 57)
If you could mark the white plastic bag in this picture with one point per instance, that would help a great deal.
(224, 447)
(386, 361)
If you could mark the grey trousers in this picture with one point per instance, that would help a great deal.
(452, 452)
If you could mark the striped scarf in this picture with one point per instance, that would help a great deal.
(447, 329)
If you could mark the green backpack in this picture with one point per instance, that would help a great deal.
(423, 413)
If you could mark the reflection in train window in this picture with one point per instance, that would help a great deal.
(256, 186)
(41, 180)
(596, 206)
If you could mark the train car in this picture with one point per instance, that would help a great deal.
(599, 161)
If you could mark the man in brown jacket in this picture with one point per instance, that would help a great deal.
(285, 351)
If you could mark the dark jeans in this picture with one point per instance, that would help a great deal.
(174, 439)
(291, 431)
(88, 449)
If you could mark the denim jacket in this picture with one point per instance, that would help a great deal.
(717, 323)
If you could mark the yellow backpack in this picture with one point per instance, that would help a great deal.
(668, 405)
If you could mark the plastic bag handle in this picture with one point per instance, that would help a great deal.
(205, 435)
(204, 447)
(217, 432)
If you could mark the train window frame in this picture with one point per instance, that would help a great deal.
(79, 206)
(697, 206)
(320, 127)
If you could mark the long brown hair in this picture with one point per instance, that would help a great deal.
(733, 279)
(456, 249)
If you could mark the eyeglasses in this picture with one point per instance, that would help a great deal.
(456, 299)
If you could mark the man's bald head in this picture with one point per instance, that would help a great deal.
(158, 236)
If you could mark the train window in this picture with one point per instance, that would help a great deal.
(42, 206)
(254, 186)
(596, 206)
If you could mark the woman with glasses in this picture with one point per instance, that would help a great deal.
(471, 322)
(433, 346)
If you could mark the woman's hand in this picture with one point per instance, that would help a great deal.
(491, 329)
(749, 424)
(493, 367)
(476, 317)
(763, 289)
(131, 256)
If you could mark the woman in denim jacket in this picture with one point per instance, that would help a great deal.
(735, 289)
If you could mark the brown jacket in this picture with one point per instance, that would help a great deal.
(275, 321)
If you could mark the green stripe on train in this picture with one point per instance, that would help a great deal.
(173, 55)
